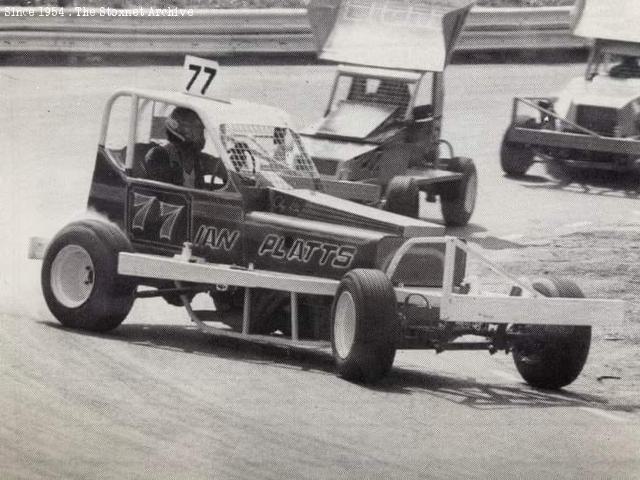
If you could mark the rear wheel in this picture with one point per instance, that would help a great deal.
(364, 325)
(516, 158)
(560, 170)
(552, 356)
(267, 309)
(270, 312)
(459, 200)
(80, 280)
(403, 197)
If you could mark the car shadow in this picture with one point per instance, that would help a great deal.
(478, 395)
(490, 242)
(190, 340)
(462, 232)
(588, 182)
(535, 179)
(477, 234)
(467, 392)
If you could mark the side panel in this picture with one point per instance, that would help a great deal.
(158, 217)
(162, 217)
(108, 192)
(217, 227)
(275, 242)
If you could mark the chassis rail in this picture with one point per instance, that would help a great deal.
(474, 307)
(588, 140)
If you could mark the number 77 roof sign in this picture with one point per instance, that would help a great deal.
(199, 74)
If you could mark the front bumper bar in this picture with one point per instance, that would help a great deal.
(475, 307)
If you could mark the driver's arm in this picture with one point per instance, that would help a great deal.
(158, 165)
(213, 166)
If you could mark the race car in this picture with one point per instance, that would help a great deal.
(281, 261)
(382, 125)
(594, 122)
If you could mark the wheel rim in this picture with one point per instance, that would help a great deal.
(72, 276)
(470, 193)
(344, 326)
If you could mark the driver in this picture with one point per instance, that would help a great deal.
(627, 68)
(181, 160)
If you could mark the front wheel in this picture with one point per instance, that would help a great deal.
(364, 325)
(403, 197)
(552, 356)
(80, 279)
(516, 158)
(458, 201)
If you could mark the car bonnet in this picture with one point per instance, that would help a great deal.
(314, 205)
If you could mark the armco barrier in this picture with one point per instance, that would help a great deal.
(267, 31)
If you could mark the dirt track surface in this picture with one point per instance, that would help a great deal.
(163, 401)
(607, 262)
(156, 399)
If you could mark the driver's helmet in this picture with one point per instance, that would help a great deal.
(629, 60)
(184, 126)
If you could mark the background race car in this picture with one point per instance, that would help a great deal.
(594, 123)
(383, 123)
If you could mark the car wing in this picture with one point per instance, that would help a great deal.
(611, 20)
(412, 35)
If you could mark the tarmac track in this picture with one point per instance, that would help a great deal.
(156, 399)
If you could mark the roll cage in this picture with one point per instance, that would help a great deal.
(266, 151)
(401, 96)
(603, 52)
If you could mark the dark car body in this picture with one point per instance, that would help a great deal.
(281, 261)
(384, 116)
(248, 221)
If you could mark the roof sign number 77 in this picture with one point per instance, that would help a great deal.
(199, 73)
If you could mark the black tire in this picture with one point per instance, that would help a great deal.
(364, 326)
(403, 197)
(560, 170)
(102, 300)
(552, 356)
(269, 310)
(458, 201)
(312, 321)
(516, 158)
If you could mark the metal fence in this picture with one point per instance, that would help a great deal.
(267, 31)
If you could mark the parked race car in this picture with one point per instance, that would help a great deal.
(594, 123)
(382, 125)
(283, 262)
